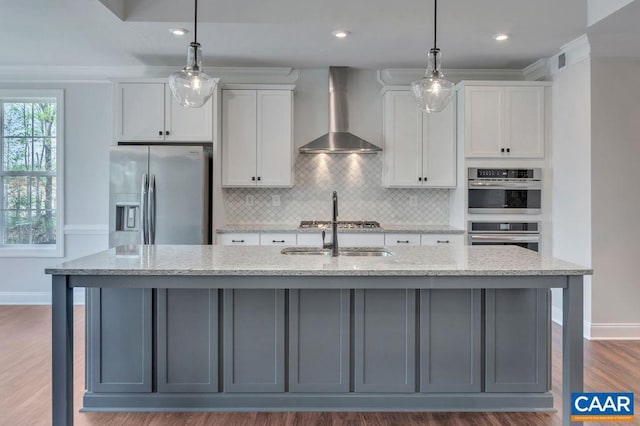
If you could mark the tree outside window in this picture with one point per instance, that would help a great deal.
(28, 172)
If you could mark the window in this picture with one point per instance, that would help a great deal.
(31, 143)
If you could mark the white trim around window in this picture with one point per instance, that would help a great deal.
(57, 249)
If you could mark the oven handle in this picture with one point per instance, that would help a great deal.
(513, 238)
(506, 185)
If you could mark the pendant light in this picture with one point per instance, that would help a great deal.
(433, 92)
(191, 86)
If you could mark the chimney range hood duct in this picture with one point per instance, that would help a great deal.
(339, 140)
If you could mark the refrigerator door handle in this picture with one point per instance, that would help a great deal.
(143, 209)
(152, 210)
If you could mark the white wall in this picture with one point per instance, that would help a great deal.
(571, 168)
(615, 153)
(88, 134)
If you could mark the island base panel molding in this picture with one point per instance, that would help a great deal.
(470, 402)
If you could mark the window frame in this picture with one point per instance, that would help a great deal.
(38, 250)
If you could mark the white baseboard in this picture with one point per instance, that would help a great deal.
(615, 331)
(556, 316)
(603, 331)
(36, 297)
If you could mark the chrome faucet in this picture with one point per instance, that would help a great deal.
(333, 245)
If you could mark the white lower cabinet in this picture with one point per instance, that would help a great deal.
(441, 239)
(313, 239)
(401, 239)
(360, 240)
(278, 239)
(239, 239)
(345, 239)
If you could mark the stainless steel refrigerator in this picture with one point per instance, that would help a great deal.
(159, 195)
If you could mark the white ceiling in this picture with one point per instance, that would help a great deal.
(294, 33)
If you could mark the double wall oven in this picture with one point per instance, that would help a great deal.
(494, 193)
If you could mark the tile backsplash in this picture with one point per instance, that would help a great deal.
(357, 178)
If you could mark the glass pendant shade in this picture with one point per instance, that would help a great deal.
(432, 93)
(191, 86)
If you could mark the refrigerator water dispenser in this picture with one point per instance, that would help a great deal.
(127, 217)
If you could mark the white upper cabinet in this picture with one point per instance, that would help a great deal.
(420, 148)
(257, 138)
(147, 112)
(239, 135)
(502, 121)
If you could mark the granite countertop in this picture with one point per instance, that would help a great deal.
(268, 261)
(284, 228)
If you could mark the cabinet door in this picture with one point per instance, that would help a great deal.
(319, 340)
(141, 112)
(439, 148)
(187, 124)
(253, 340)
(450, 340)
(239, 138)
(403, 140)
(384, 341)
(120, 335)
(524, 121)
(187, 344)
(483, 121)
(517, 340)
(275, 138)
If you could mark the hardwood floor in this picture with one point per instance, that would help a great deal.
(25, 384)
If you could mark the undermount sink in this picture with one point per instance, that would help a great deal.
(346, 251)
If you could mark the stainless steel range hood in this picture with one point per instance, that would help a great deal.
(339, 140)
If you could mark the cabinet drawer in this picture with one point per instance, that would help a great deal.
(278, 239)
(360, 240)
(313, 239)
(243, 239)
(440, 239)
(401, 239)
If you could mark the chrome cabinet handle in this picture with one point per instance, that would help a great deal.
(442, 241)
(237, 241)
(277, 241)
(402, 241)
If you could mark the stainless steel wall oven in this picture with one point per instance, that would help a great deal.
(523, 234)
(504, 191)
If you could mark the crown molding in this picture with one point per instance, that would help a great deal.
(539, 70)
(107, 74)
(404, 76)
(575, 51)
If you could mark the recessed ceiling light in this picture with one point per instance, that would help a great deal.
(179, 32)
(501, 37)
(341, 33)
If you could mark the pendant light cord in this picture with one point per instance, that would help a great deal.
(435, 23)
(195, 24)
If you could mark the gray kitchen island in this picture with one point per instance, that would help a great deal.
(208, 328)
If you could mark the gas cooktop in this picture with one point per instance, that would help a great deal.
(351, 224)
